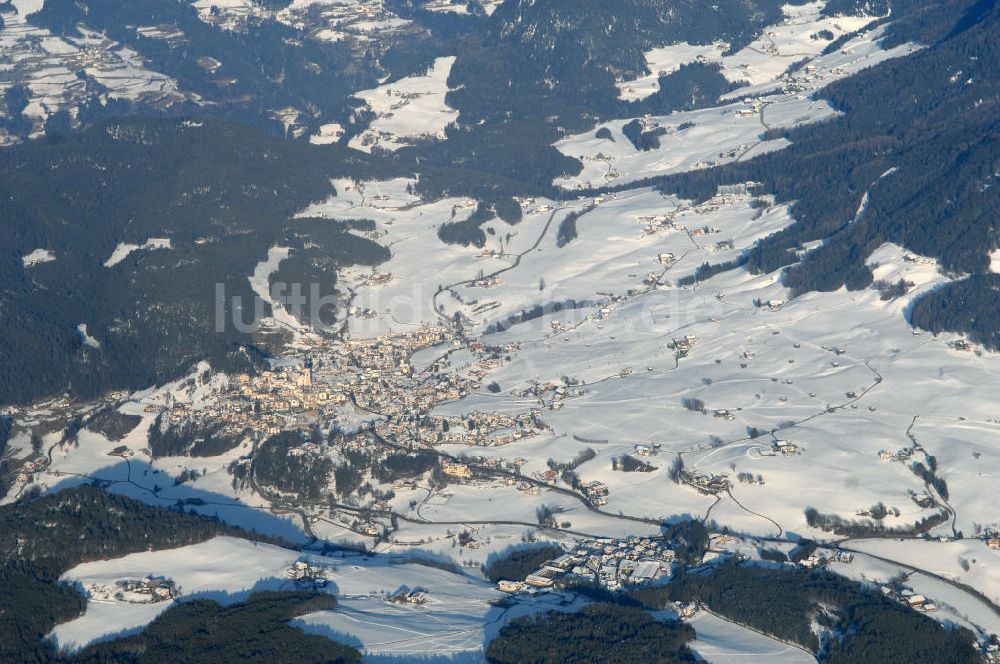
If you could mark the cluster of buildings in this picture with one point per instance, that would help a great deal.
(643, 450)
(652, 224)
(727, 196)
(703, 482)
(992, 538)
(666, 258)
(903, 455)
(487, 282)
(150, 590)
(32, 465)
(374, 380)
(407, 595)
(303, 573)
(550, 395)
(456, 469)
(784, 448)
(364, 523)
(264, 404)
(597, 492)
(483, 429)
(470, 467)
(771, 305)
(820, 560)
(611, 563)
(909, 598)
(683, 344)
(373, 375)
(332, 21)
(737, 151)
(961, 345)
(752, 106)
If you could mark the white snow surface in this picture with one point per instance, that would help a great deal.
(944, 559)
(37, 257)
(228, 570)
(410, 109)
(762, 61)
(791, 367)
(719, 640)
(663, 61)
(775, 368)
(86, 338)
(734, 131)
(995, 260)
(223, 569)
(954, 606)
(328, 133)
(125, 248)
(260, 284)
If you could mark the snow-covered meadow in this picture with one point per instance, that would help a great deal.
(48, 65)
(228, 570)
(774, 97)
(762, 61)
(408, 110)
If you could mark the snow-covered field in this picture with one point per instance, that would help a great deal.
(408, 110)
(722, 641)
(37, 257)
(968, 561)
(804, 33)
(125, 248)
(48, 66)
(456, 619)
(328, 133)
(261, 286)
(663, 61)
(60, 72)
(228, 570)
(780, 366)
(839, 375)
(223, 569)
(773, 98)
(772, 367)
(338, 20)
(86, 338)
(797, 37)
(953, 605)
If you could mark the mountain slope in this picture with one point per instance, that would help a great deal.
(218, 195)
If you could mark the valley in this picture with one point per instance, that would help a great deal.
(679, 378)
